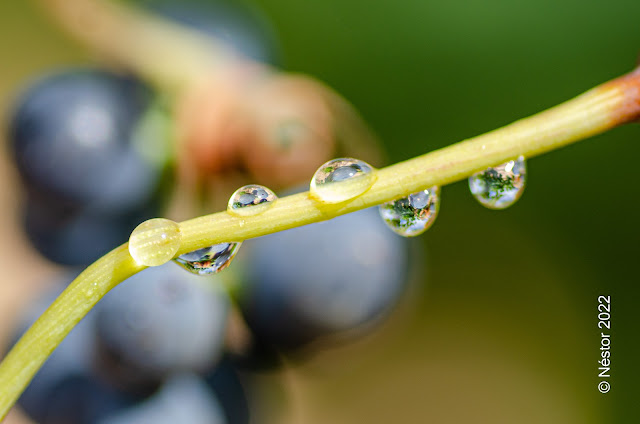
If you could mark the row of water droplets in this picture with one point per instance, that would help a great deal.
(496, 188)
(245, 201)
(156, 241)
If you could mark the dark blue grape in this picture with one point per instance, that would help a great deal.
(82, 399)
(91, 159)
(227, 385)
(161, 321)
(183, 398)
(74, 136)
(69, 235)
(66, 389)
(322, 279)
(237, 24)
(187, 398)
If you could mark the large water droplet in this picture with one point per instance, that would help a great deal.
(355, 177)
(209, 260)
(155, 241)
(251, 200)
(414, 214)
(500, 186)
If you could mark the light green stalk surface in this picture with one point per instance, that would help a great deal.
(596, 111)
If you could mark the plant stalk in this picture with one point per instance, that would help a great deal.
(596, 111)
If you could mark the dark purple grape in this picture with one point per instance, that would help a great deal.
(72, 236)
(322, 279)
(226, 383)
(82, 399)
(76, 137)
(238, 24)
(91, 148)
(161, 321)
(66, 389)
(183, 398)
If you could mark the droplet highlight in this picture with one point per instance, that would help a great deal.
(209, 260)
(90, 291)
(414, 214)
(155, 241)
(355, 177)
(500, 186)
(251, 200)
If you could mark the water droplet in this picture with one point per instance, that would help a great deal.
(414, 214)
(355, 177)
(209, 260)
(500, 186)
(155, 241)
(251, 200)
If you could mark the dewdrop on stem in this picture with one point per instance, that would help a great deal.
(251, 200)
(246, 201)
(500, 186)
(209, 260)
(155, 241)
(412, 215)
(341, 179)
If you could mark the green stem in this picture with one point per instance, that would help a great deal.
(596, 111)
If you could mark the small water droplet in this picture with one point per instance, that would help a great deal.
(155, 241)
(499, 186)
(251, 200)
(355, 177)
(414, 214)
(209, 260)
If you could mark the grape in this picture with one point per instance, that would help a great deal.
(161, 321)
(184, 398)
(92, 161)
(161, 324)
(187, 398)
(237, 24)
(65, 389)
(82, 399)
(74, 136)
(227, 386)
(322, 279)
(69, 235)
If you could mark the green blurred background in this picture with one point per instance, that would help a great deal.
(504, 327)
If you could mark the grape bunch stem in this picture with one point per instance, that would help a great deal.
(596, 111)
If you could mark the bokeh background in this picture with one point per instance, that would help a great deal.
(503, 328)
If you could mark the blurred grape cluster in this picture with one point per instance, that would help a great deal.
(98, 151)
